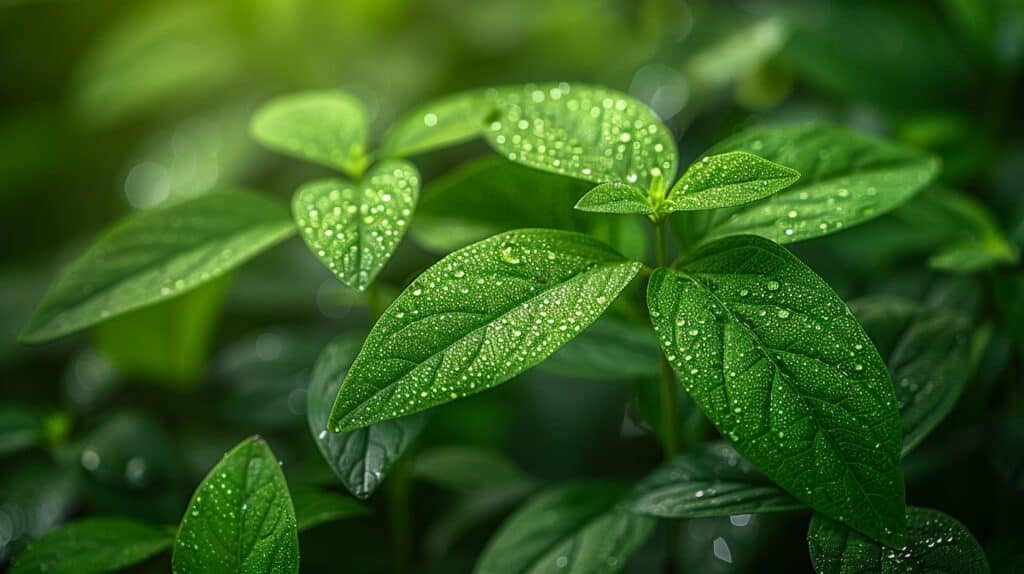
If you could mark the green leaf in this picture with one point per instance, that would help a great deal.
(354, 228)
(572, 528)
(935, 543)
(929, 357)
(728, 179)
(441, 123)
(615, 197)
(94, 546)
(156, 255)
(314, 507)
(240, 518)
(477, 318)
(167, 343)
(975, 241)
(779, 364)
(327, 128)
(360, 458)
(710, 481)
(39, 494)
(847, 178)
(466, 469)
(610, 349)
(582, 131)
(21, 427)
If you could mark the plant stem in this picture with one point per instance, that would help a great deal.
(399, 485)
(669, 416)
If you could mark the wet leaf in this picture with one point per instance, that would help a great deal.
(615, 197)
(94, 546)
(935, 543)
(582, 131)
(437, 124)
(354, 228)
(728, 179)
(360, 458)
(779, 364)
(328, 128)
(711, 481)
(156, 255)
(571, 528)
(240, 518)
(477, 318)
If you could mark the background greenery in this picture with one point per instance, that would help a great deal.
(113, 107)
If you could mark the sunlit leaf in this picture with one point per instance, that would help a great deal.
(477, 318)
(437, 124)
(779, 364)
(156, 255)
(240, 518)
(94, 546)
(354, 228)
(728, 179)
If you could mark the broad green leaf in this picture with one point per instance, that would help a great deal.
(477, 318)
(441, 123)
(240, 518)
(21, 427)
(614, 197)
(936, 542)
(582, 131)
(728, 179)
(314, 506)
(327, 128)
(928, 350)
(846, 178)
(494, 195)
(156, 255)
(610, 349)
(94, 546)
(354, 228)
(710, 481)
(466, 469)
(778, 363)
(573, 528)
(167, 343)
(360, 458)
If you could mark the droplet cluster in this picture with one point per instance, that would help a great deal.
(728, 179)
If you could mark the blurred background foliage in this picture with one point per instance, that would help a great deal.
(108, 107)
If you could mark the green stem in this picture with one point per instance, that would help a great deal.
(399, 485)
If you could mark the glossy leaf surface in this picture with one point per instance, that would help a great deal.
(728, 179)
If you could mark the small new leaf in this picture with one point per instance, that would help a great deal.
(327, 128)
(615, 197)
(728, 179)
(570, 528)
(711, 481)
(444, 122)
(354, 228)
(477, 318)
(936, 542)
(360, 458)
(94, 546)
(778, 363)
(240, 518)
(156, 255)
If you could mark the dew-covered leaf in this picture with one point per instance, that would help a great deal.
(94, 546)
(327, 128)
(610, 349)
(354, 228)
(572, 528)
(728, 179)
(935, 542)
(778, 363)
(928, 350)
(846, 178)
(240, 518)
(441, 123)
(713, 480)
(314, 506)
(581, 131)
(156, 255)
(614, 197)
(360, 458)
(477, 318)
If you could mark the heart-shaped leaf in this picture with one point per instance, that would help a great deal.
(360, 458)
(240, 518)
(354, 228)
(570, 528)
(156, 255)
(728, 179)
(778, 363)
(582, 131)
(935, 543)
(711, 481)
(328, 128)
(477, 318)
(94, 546)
